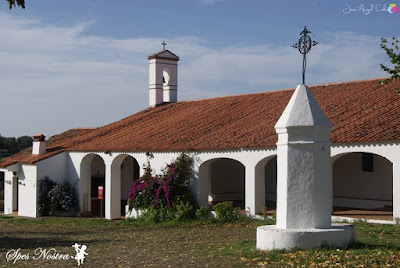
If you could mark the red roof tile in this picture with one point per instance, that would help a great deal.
(54, 145)
(360, 112)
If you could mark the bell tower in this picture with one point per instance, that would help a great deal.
(163, 77)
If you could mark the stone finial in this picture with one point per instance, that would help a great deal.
(302, 111)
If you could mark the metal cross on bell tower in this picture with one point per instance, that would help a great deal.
(163, 44)
(304, 46)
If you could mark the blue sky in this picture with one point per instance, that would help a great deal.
(75, 63)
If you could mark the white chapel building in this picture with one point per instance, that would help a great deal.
(232, 140)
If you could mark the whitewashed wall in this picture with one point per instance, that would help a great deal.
(27, 191)
(20, 190)
(55, 168)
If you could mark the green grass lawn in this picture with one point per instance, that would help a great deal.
(192, 244)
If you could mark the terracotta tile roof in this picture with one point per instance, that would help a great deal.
(54, 145)
(360, 112)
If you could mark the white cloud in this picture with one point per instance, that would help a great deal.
(54, 78)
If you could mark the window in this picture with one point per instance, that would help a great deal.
(367, 162)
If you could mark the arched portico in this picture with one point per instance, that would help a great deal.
(92, 175)
(124, 170)
(266, 176)
(221, 179)
(362, 180)
(265, 183)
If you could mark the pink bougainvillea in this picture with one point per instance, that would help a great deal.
(156, 185)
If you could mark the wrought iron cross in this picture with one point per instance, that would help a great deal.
(163, 44)
(304, 46)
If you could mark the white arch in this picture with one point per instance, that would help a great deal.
(115, 197)
(260, 183)
(378, 149)
(265, 160)
(85, 181)
(355, 188)
(204, 179)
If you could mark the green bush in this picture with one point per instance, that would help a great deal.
(226, 211)
(160, 214)
(202, 213)
(184, 210)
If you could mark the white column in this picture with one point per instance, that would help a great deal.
(108, 192)
(15, 191)
(254, 190)
(113, 192)
(8, 192)
(116, 191)
(84, 187)
(396, 190)
(260, 187)
(203, 184)
(155, 83)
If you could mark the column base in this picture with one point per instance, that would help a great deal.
(271, 237)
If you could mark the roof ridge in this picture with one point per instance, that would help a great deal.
(349, 82)
(83, 128)
(239, 95)
(285, 89)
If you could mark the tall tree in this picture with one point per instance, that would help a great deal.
(10, 146)
(14, 3)
(24, 142)
(394, 56)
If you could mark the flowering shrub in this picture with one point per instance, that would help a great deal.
(55, 198)
(167, 190)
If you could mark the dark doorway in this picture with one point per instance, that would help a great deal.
(96, 202)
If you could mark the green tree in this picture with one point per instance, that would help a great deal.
(14, 3)
(394, 56)
(1, 142)
(24, 142)
(10, 146)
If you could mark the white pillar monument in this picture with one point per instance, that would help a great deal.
(304, 180)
